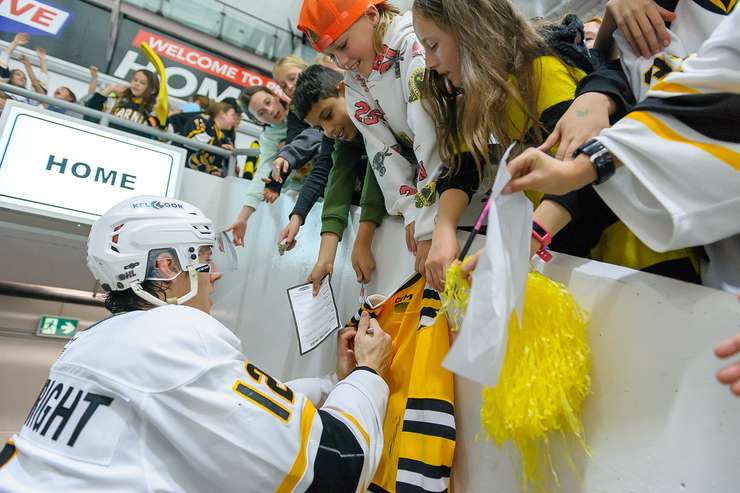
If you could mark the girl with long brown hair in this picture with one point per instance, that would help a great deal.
(135, 101)
(498, 78)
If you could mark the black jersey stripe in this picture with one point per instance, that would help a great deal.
(431, 429)
(339, 460)
(713, 115)
(430, 405)
(419, 467)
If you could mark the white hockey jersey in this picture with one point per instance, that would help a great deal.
(680, 147)
(399, 134)
(695, 21)
(163, 400)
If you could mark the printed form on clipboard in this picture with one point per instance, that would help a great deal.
(315, 317)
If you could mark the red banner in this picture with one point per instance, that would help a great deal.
(200, 61)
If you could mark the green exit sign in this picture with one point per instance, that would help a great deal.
(56, 327)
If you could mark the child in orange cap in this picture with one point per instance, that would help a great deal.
(385, 68)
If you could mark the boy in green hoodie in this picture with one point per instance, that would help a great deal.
(319, 100)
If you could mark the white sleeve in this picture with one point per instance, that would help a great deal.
(256, 185)
(425, 142)
(642, 73)
(394, 173)
(233, 421)
(316, 389)
(680, 150)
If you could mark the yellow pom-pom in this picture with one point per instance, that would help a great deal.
(544, 379)
(456, 294)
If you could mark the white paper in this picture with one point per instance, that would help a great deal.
(498, 286)
(315, 317)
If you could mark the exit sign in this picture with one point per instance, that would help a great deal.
(56, 327)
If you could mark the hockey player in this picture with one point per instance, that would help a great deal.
(159, 397)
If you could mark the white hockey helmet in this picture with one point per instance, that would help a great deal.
(128, 244)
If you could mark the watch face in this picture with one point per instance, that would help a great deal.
(539, 230)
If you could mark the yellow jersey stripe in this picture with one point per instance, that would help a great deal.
(428, 449)
(352, 419)
(674, 88)
(299, 465)
(662, 130)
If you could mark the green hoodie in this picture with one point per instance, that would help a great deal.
(350, 166)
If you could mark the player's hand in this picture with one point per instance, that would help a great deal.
(410, 241)
(21, 39)
(642, 22)
(363, 261)
(443, 251)
(280, 166)
(730, 374)
(535, 170)
(288, 233)
(320, 271)
(585, 119)
(346, 352)
(422, 251)
(239, 230)
(372, 345)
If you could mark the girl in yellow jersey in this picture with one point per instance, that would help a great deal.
(500, 78)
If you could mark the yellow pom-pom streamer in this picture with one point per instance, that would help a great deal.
(457, 293)
(544, 379)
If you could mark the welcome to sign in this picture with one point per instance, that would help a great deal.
(32, 16)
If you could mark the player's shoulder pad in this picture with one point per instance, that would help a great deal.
(154, 350)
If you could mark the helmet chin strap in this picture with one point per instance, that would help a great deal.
(145, 295)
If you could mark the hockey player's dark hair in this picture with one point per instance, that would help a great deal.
(314, 84)
(149, 98)
(127, 301)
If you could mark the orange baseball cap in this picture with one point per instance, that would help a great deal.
(323, 21)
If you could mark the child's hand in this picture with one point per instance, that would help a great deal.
(422, 250)
(363, 261)
(289, 232)
(228, 147)
(93, 71)
(320, 271)
(279, 167)
(730, 374)
(444, 249)
(21, 39)
(24, 60)
(642, 22)
(469, 266)
(41, 52)
(535, 170)
(238, 230)
(410, 241)
(269, 196)
(585, 119)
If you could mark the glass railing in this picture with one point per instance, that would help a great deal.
(231, 25)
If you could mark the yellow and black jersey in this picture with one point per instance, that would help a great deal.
(419, 428)
(203, 129)
(127, 109)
